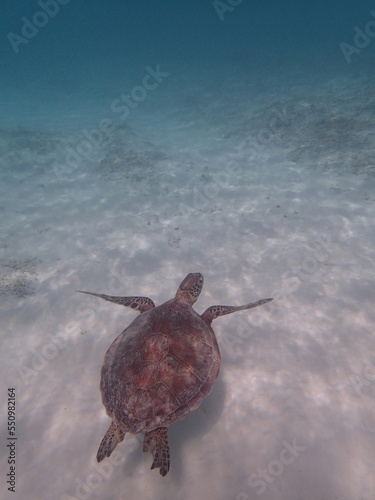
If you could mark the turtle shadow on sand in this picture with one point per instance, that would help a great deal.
(160, 369)
(196, 424)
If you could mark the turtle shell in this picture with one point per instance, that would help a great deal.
(160, 368)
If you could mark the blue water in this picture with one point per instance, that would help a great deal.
(82, 49)
(140, 141)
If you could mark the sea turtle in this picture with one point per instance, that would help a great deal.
(160, 368)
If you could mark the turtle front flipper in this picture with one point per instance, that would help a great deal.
(214, 312)
(156, 442)
(140, 304)
(112, 438)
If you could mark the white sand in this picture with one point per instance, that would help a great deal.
(189, 184)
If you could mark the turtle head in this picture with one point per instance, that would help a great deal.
(190, 288)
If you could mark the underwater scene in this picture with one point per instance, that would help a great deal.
(187, 160)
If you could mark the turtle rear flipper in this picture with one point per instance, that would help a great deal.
(112, 438)
(156, 442)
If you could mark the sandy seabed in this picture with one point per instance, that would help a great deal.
(267, 188)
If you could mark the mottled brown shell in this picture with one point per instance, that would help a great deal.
(160, 368)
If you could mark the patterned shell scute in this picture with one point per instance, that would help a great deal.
(191, 351)
(159, 368)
